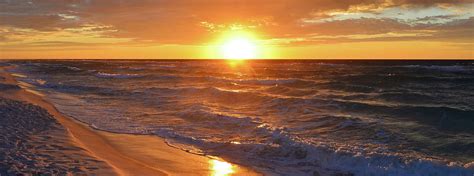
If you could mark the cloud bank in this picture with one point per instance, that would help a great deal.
(196, 22)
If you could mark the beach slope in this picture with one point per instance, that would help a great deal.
(41, 140)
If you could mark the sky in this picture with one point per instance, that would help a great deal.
(196, 29)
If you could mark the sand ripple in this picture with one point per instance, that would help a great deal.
(33, 142)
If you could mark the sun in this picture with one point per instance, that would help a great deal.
(239, 47)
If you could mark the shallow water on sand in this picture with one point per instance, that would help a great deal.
(282, 117)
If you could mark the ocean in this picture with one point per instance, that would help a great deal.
(279, 117)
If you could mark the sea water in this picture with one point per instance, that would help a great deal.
(280, 117)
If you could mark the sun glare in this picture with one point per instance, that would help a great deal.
(221, 168)
(238, 46)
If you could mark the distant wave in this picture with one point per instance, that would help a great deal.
(267, 81)
(283, 90)
(74, 68)
(448, 68)
(166, 65)
(291, 82)
(212, 94)
(117, 76)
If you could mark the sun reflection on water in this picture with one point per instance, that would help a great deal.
(221, 168)
(233, 63)
(240, 67)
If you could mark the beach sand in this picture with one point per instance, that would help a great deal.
(42, 140)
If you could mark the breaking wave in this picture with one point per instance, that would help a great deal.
(283, 118)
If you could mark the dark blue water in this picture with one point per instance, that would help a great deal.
(281, 117)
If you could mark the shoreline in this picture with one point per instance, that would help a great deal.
(126, 154)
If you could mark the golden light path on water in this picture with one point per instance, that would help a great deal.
(233, 63)
(221, 168)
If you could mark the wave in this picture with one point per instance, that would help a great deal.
(292, 82)
(446, 68)
(292, 155)
(166, 66)
(230, 79)
(81, 89)
(132, 68)
(211, 94)
(287, 91)
(427, 114)
(274, 150)
(117, 75)
(289, 82)
(440, 116)
(74, 68)
(4, 63)
(327, 120)
(444, 118)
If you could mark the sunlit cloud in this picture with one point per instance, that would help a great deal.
(22, 38)
(198, 23)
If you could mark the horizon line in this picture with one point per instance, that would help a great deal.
(259, 59)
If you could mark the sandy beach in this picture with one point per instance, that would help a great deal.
(41, 140)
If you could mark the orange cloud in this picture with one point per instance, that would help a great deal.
(107, 23)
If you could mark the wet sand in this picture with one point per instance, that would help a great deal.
(110, 153)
